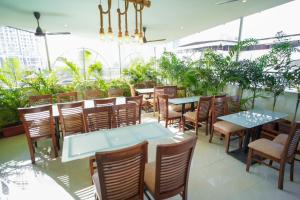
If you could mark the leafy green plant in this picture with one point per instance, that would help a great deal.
(13, 94)
(120, 83)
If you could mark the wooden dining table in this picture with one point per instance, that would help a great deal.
(183, 101)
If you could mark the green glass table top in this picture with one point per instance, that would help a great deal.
(253, 118)
(184, 100)
(145, 90)
(87, 104)
(85, 145)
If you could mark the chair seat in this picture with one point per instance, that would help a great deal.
(191, 116)
(282, 138)
(151, 101)
(267, 147)
(227, 127)
(172, 115)
(96, 182)
(178, 108)
(149, 177)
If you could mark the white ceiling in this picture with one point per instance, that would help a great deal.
(171, 19)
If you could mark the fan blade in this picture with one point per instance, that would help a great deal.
(158, 40)
(225, 2)
(59, 33)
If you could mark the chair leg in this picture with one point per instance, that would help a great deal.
(166, 123)
(31, 151)
(292, 169)
(211, 134)
(184, 195)
(183, 124)
(249, 159)
(206, 127)
(270, 163)
(227, 141)
(241, 141)
(54, 145)
(196, 128)
(281, 175)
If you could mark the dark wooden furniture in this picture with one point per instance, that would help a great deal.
(181, 92)
(153, 102)
(279, 153)
(71, 117)
(123, 115)
(67, 97)
(93, 94)
(150, 84)
(234, 104)
(115, 92)
(97, 118)
(171, 91)
(165, 113)
(168, 176)
(40, 100)
(224, 128)
(38, 124)
(200, 115)
(121, 173)
(105, 102)
(138, 100)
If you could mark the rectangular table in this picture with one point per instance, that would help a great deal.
(185, 100)
(252, 120)
(84, 145)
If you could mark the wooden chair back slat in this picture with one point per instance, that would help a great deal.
(40, 100)
(115, 92)
(93, 94)
(124, 115)
(150, 84)
(67, 97)
(162, 104)
(171, 91)
(204, 106)
(71, 117)
(105, 102)
(234, 104)
(98, 118)
(121, 172)
(290, 148)
(138, 100)
(219, 108)
(172, 167)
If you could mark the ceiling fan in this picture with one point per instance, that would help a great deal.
(39, 31)
(145, 39)
(229, 1)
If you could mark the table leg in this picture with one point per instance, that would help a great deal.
(193, 106)
(247, 139)
(182, 109)
(57, 131)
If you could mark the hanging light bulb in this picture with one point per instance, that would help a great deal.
(110, 33)
(127, 36)
(120, 38)
(102, 34)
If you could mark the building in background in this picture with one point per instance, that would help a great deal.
(20, 44)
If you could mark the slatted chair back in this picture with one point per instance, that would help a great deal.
(121, 172)
(37, 121)
(181, 92)
(290, 147)
(67, 97)
(124, 115)
(234, 104)
(204, 106)
(172, 167)
(104, 102)
(163, 104)
(93, 94)
(71, 117)
(139, 86)
(115, 92)
(171, 91)
(138, 100)
(40, 100)
(150, 84)
(219, 108)
(98, 118)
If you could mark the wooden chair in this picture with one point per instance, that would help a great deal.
(38, 124)
(124, 115)
(93, 94)
(96, 119)
(210, 112)
(200, 115)
(40, 100)
(67, 97)
(138, 100)
(121, 173)
(234, 104)
(153, 101)
(226, 129)
(115, 92)
(181, 92)
(171, 91)
(274, 151)
(150, 84)
(168, 176)
(71, 117)
(165, 113)
(104, 102)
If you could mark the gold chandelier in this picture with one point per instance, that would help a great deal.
(138, 7)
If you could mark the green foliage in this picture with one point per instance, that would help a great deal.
(139, 72)
(120, 83)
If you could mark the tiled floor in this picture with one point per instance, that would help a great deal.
(214, 175)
